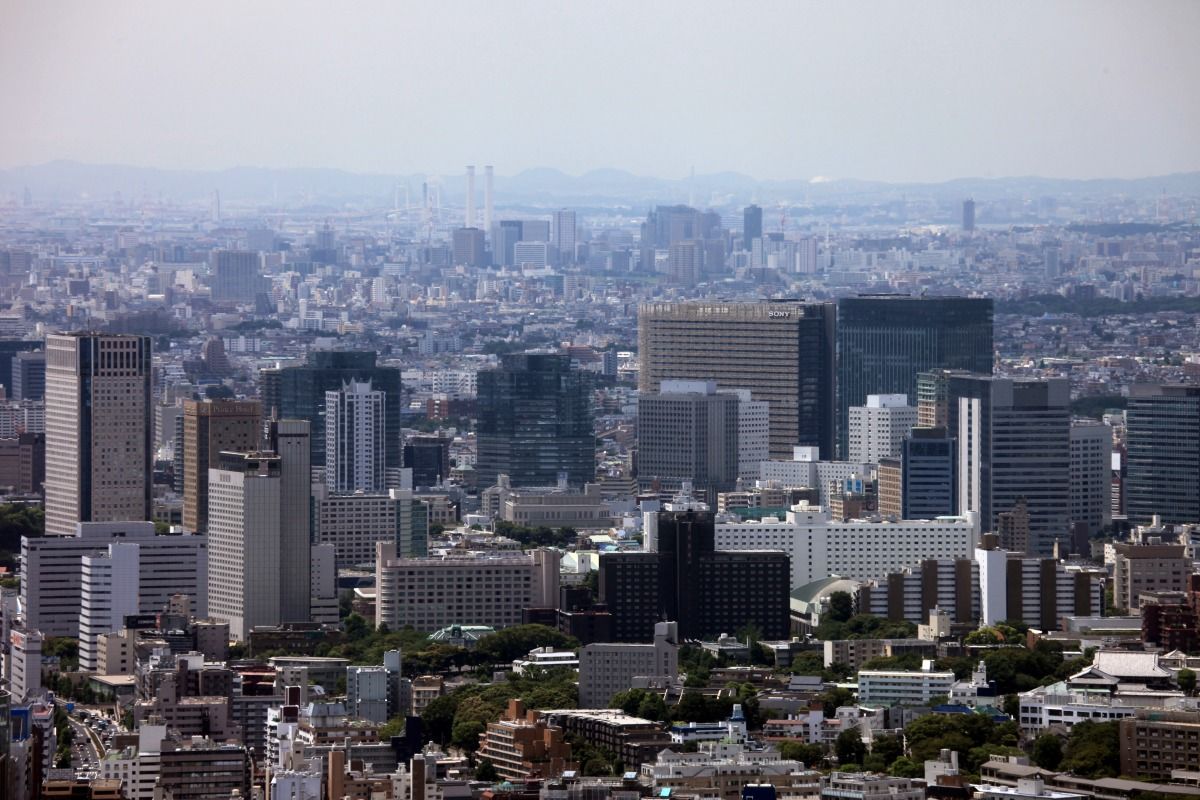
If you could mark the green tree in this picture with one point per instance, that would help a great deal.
(1186, 679)
(393, 727)
(832, 699)
(653, 707)
(356, 628)
(1093, 750)
(841, 607)
(486, 771)
(905, 767)
(887, 747)
(437, 719)
(465, 735)
(1047, 751)
(810, 754)
(849, 747)
(509, 644)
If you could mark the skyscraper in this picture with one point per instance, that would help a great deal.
(686, 579)
(469, 247)
(29, 376)
(535, 230)
(685, 262)
(209, 428)
(535, 422)
(782, 351)
(687, 431)
(885, 340)
(235, 276)
(927, 464)
(968, 214)
(259, 552)
(99, 433)
(1014, 447)
(355, 438)
(878, 428)
(751, 226)
(505, 235)
(564, 236)
(299, 393)
(1091, 477)
(1162, 440)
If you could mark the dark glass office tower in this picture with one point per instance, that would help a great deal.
(1014, 447)
(299, 393)
(751, 226)
(535, 422)
(707, 591)
(429, 459)
(928, 461)
(1162, 440)
(885, 340)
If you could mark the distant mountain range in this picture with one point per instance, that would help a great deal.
(542, 186)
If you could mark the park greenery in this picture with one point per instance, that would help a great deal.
(840, 622)
(17, 520)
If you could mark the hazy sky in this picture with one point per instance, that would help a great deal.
(888, 90)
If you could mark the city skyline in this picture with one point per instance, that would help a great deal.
(805, 90)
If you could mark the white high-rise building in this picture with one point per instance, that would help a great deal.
(99, 432)
(754, 433)
(260, 557)
(356, 438)
(244, 530)
(24, 663)
(108, 592)
(877, 430)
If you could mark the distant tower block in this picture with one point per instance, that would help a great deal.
(487, 199)
(470, 222)
(968, 215)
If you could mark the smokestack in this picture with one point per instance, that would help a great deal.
(487, 199)
(471, 196)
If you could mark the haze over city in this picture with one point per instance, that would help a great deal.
(876, 91)
(618, 401)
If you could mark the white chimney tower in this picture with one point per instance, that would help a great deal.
(487, 200)
(471, 196)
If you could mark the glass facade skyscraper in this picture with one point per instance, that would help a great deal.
(885, 340)
(298, 392)
(1162, 440)
(535, 422)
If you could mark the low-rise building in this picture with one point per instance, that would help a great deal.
(632, 739)
(868, 786)
(898, 687)
(522, 746)
(608, 668)
(1154, 744)
(723, 769)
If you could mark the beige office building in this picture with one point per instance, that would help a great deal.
(470, 589)
(99, 448)
(210, 427)
(783, 352)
